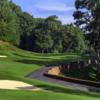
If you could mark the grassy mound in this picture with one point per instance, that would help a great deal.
(19, 63)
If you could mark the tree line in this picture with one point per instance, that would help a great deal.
(43, 35)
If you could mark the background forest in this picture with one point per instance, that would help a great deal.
(49, 35)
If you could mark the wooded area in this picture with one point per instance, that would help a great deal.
(49, 35)
(38, 34)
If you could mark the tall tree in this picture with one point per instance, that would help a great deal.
(73, 39)
(43, 40)
(55, 25)
(88, 15)
(26, 27)
(8, 24)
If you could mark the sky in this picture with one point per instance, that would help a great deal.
(43, 8)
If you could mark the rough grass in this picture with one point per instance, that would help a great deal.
(19, 63)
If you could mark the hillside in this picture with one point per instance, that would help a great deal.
(19, 63)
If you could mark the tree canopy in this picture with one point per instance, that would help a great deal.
(8, 23)
(87, 16)
(44, 35)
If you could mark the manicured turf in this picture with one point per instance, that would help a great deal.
(26, 95)
(19, 63)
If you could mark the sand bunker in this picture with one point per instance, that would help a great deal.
(1, 56)
(17, 85)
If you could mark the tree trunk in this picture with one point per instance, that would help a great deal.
(42, 51)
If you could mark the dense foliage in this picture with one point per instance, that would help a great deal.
(8, 23)
(88, 17)
(38, 34)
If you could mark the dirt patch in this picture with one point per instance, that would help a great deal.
(55, 70)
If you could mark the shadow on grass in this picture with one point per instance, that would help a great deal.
(37, 62)
(46, 62)
(16, 54)
(27, 88)
(34, 57)
(68, 91)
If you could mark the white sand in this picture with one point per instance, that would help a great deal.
(16, 85)
(1, 56)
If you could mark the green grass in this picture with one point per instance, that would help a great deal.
(19, 63)
(40, 95)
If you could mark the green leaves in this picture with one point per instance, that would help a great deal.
(8, 25)
(87, 16)
(37, 34)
